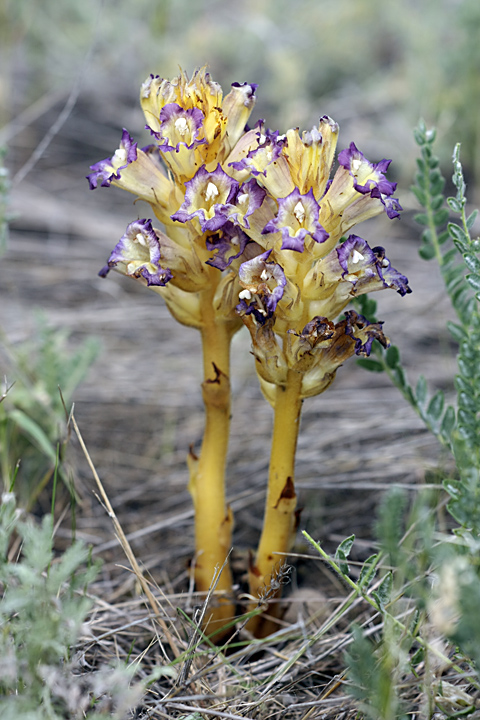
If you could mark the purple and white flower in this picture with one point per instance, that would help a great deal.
(138, 253)
(178, 127)
(352, 269)
(209, 197)
(369, 178)
(226, 245)
(296, 219)
(263, 285)
(368, 269)
(109, 169)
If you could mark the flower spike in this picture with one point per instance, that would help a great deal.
(254, 234)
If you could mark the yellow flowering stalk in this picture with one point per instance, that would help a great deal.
(253, 232)
(294, 291)
(181, 177)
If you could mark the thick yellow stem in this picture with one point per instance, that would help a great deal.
(279, 518)
(213, 519)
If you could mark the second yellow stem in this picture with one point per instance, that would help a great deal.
(279, 518)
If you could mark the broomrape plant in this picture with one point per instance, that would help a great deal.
(254, 233)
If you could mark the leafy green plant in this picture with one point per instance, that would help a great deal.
(422, 588)
(42, 377)
(43, 608)
(374, 675)
(457, 254)
(438, 572)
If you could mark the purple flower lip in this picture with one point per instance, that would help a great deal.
(391, 277)
(201, 194)
(104, 171)
(105, 270)
(375, 183)
(178, 127)
(392, 206)
(227, 245)
(356, 325)
(296, 219)
(159, 278)
(139, 251)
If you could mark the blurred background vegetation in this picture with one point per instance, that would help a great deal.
(70, 75)
(375, 66)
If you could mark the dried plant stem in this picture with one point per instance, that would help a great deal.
(122, 538)
(279, 518)
(213, 519)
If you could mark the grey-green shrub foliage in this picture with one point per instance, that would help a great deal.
(32, 414)
(458, 256)
(43, 608)
(440, 573)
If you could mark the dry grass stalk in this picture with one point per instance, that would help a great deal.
(123, 540)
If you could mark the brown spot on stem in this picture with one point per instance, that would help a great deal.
(218, 375)
(288, 492)
(192, 453)
(252, 568)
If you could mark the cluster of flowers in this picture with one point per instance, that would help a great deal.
(261, 209)
(254, 232)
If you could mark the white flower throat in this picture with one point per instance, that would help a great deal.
(181, 126)
(299, 212)
(211, 192)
